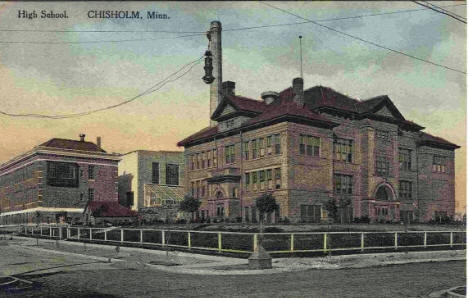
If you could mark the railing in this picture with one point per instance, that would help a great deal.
(237, 242)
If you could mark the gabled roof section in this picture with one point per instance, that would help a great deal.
(319, 96)
(204, 133)
(426, 139)
(242, 105)
(67, 144)
(375, 104)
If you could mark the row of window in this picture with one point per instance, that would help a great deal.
(198, 188)
(204, 160)
(172, 174)
(263, 179)
(260, 147)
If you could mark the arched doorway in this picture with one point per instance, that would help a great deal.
(386, 208)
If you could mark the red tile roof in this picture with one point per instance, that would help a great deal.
(109, 209)
(247, 104)
(428, 139)
(72, 145)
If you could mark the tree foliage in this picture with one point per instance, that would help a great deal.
(189, 204)
(266, 203)
(332, 208)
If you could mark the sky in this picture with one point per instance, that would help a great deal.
(57, 73)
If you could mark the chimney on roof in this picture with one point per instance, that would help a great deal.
(228, 88)
(269, 96)
(298, 90)
(98, 142)
(82, 136)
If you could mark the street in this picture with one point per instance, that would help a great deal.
(74, 276)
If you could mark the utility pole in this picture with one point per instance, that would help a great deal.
(300, 48)
(216, 51)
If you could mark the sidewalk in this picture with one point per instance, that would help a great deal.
(188, 263)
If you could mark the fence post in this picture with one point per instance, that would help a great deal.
(324, 242)
(40, 229)
(425, 239)
(50, 231)
(163, 238)
(105, 235)
(60, 233)
(32, 230)
(121, 235)
(141, 236)
(396, 240)
(68, 232)
(362, 241)
(79, 233)
(90, 234)
(292, 243)
(189, 240)
(451, 239)
(220, 246)
(255, 242)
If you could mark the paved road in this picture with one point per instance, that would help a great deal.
(71, 277)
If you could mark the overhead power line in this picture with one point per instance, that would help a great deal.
(442, 8)
(187, 67)
(94, 41)
(334, 19)
(364, 40)
(458, 18)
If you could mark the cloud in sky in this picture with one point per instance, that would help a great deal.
(72, 78)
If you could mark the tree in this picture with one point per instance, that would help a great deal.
(265, 204)
(332, 208)
(189, 204)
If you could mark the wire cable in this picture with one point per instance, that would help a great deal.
(442, 8)
(151, 89)
(364, 40)
(442, 12)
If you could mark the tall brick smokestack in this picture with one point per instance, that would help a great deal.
(215, 48)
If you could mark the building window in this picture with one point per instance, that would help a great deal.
(254, 149)
(197, 161)
(247, 179)
(382, 135)
(192, 187)
(269, 178)
(155, 171)
(277, 142)
(268, 145)
(343, 150)
(278, 178)
(439, 164)
(405, 189)
(254, 179)
(172, 174)
(381, 166)
(234, 192)
(203, 155)
(309, 145)
(404, 157)
(91, 174)
(202, 189)
(208, 160)
(261, 144)
(90, 194)
(220, 210)
(192, 162)
(311, 213)
(230, 154)
(62, 174)
(246, 150)
(215, 158)
(343, 184)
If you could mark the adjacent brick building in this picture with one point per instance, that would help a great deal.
(55, 180)
(308, 147)
(151, 182)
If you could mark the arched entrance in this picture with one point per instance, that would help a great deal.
(386, 208)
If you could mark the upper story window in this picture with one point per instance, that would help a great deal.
(277, 178)
(404, 157)
(309, 145)
(269, 145)
(229, 152)
(155, 173)
(343, 184)
(277, 142)
(261, 145)
(209, 155)
(439, 164)
(405, 189)
(382, 166)
(253, 144)
(91, 170)
(172, 174)
(343, 150)
(245, 150)
(192, 162)
(382, 134)
(63, 174)
(215, 158)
